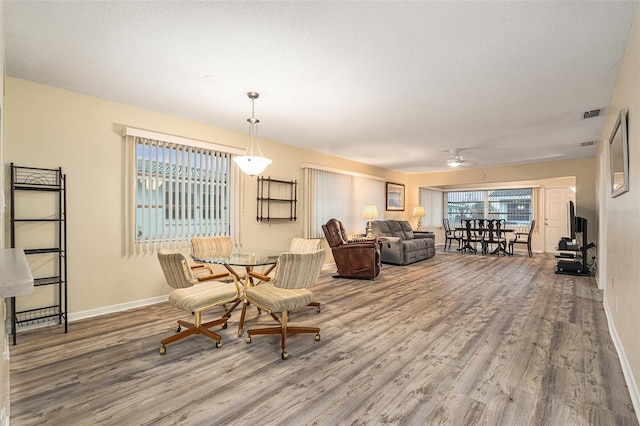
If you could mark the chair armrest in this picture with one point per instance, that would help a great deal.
(392, 250)
(358, 245)
(259, 276)
(213, 276)
(518, 235)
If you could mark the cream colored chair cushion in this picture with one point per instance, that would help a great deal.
(202, 296)
(276, 299)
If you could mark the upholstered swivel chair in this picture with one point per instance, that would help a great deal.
(306, 245)
(212, 246)
(450, 235)
(519, 239)
(195, 296)
(298, 245)
(359, 259)
(287, 292)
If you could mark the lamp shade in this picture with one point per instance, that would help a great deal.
(370, 212)
(419, 211)
(252, 164)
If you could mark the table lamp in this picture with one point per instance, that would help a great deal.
(370, 212)
(418, 211)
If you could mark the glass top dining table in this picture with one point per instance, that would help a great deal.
(247, 258)
(241, 257)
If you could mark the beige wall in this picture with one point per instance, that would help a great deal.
(50, 127)
(619, 251)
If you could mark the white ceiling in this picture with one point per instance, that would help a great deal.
(392, 84)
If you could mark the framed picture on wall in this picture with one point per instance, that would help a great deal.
(395, 196)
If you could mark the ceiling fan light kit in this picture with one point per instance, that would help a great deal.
(454, 162)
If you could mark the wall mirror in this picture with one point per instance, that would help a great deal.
(619, 156)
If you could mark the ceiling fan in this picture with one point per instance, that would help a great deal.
(457, 160)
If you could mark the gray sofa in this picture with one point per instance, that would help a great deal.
(401, 245)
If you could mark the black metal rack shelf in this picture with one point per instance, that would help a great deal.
(42, 180)
(276, 199)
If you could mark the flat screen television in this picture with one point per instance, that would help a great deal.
(571, 220)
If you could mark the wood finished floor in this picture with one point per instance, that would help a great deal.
(454, 340)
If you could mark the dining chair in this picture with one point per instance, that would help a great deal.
(518, 240)
(195, 296)
(493, 236)
(306, 245)
(469, 236)
(286, 293)
(481, 228)
(450, 235)
(220, 246)
(298, 245)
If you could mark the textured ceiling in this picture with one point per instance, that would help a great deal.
(392, 84)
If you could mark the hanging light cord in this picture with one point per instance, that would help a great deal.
(253, 131)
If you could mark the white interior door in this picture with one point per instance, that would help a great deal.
(555, 216)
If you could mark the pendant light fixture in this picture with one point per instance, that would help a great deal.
(249, 163)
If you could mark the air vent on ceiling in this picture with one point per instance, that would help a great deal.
(592, 113)
(588, 143)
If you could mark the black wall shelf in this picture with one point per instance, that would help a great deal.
(277, 199)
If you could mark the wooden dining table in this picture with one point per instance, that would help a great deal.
(502, 245)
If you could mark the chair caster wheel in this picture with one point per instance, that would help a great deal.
(318, 309)
(224, 326)
(248, 339)
(218, 345)
(163, 350)
(284, 355)
(317, 337)
(178, 329)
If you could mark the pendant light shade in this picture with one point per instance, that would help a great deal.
(251, 163)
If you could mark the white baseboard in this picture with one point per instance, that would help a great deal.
(116, 308)
(626, 368)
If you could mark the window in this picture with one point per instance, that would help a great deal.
(178, 191)
(515, 206)
(331, 193)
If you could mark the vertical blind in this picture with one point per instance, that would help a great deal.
(433, 202)
(177, 192)
(340, 195)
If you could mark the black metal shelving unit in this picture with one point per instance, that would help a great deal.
(26, 228)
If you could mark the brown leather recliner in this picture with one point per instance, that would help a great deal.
(359, 259)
